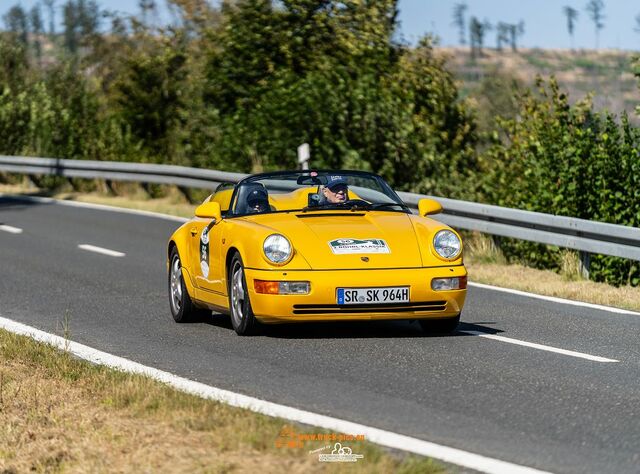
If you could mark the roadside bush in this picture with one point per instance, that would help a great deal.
(571, 161)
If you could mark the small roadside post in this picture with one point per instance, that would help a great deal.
(303, 156)
(585, 263)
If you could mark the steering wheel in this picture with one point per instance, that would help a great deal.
(355, 203)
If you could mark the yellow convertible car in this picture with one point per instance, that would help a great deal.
(300, 246)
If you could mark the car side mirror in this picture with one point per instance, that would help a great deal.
(209, 210)
(428, 207)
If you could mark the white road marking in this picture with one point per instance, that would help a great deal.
(539, 346)
(554, 299)
(10, 229)
(375, 435)
(103, 251)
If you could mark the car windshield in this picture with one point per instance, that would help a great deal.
(314, 191)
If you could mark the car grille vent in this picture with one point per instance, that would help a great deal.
(368, 308)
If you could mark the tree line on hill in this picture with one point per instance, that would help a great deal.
(509, 33)
(506, 33)
(238, 87)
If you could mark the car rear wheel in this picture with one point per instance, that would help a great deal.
(440, 326)
(182, 307)
(242, 318)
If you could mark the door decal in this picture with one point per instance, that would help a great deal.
(204, 252)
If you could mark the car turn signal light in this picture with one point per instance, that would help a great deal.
(452, 283)
(281, 287)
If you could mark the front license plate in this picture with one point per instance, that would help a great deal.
(391, 294)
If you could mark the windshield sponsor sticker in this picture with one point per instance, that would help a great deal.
(354, 246)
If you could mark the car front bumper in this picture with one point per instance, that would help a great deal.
(321, 302)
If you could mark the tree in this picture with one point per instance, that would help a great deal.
(70, 23)
(16, 23)
(502, 34)
(37, 28)
(496, 97)
(13, 66)
(514, 32)
(595, 8)
(88, 18)
(148, 11)
(509, 33)
(51, 9)
(635, 65)
(329, 73)
(149, 92)
(459, 10)
(572, 17)
(81, 20)
(477, 32)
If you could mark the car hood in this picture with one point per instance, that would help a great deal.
(351, 240)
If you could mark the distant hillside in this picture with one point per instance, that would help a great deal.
(606, 73)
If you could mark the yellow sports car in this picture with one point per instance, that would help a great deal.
(299, 246)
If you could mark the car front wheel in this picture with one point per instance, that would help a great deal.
(242, 318)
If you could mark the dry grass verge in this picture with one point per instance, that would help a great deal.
(61, 414)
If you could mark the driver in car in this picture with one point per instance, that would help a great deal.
(258, 201)
(336, 190)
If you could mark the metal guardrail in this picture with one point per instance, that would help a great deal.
(118, 171)
(568, 232)
(577, 234)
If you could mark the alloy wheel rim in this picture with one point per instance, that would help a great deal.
(237, 294)
(176, 285)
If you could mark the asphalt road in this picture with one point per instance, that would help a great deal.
(542, 409)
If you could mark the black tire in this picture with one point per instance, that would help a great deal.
(440, 326)
(182, 307)
(242, 318)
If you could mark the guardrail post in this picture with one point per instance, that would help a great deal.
(185, 192)
(497, 242)
(585, 262)
(110, 189)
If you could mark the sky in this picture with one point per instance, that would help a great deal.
(545, 23)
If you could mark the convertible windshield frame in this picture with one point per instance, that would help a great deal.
(319, 178)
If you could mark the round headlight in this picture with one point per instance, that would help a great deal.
(447, 244)
(277, 248)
